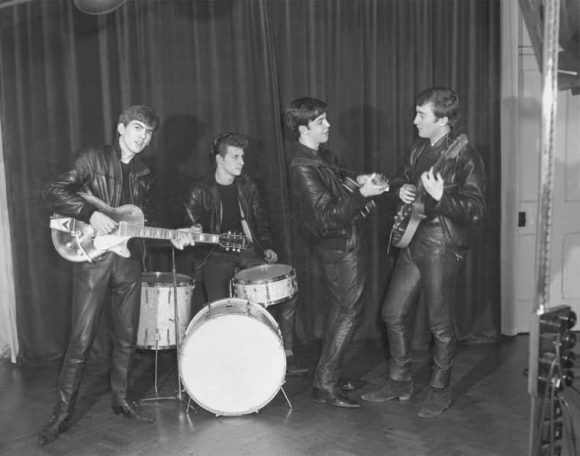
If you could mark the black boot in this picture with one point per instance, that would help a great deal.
(131, 410)
(55, 426)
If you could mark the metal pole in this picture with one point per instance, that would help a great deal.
(549, 60)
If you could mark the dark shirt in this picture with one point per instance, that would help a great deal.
(427, 159)
(231, 218)
(125, 190)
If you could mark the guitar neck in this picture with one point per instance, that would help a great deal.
(127, 230)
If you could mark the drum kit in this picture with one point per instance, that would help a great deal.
(230, 355)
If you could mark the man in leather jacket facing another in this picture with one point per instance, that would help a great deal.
(227, 201)
(330, 219)
(117, 176)
(454, 202)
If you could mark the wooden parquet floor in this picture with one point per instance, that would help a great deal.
(489, 415)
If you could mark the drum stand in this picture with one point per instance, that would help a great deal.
(178, 396)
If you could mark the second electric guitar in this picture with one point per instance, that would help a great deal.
(410, 215)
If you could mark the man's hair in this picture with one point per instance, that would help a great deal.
(141, 113)
(445, 103)
(301, 111)
(225, 139)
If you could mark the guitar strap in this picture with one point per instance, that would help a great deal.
(245, 226)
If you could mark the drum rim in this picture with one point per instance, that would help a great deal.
(262, 281)
(291, 272)
(156, 347)
(202, 313)
(178, 276)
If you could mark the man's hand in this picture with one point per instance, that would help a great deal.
(372, 186)
(408, 193)
(433, 184)
(184, 237)
(270, 256)
(102, 223)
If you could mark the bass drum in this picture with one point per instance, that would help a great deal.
(232, 360)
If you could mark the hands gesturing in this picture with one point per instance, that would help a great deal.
(372, 184)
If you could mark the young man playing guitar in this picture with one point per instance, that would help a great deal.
(117, 176)
(446, 175)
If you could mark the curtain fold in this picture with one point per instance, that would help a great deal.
(9, 347)
(208, 66)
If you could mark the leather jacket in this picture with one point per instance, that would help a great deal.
(204, 207)
(462, 205)
(97, 171)
(325, 209)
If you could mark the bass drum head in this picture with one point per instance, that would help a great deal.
(231, 362)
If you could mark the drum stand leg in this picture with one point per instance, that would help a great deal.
(286, 397)
(178, 396)
(156, 384)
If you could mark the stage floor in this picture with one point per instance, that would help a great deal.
(489, 415)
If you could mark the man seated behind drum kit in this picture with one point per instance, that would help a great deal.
(227, 202)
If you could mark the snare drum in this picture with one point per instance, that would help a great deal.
(232, 360)
(157, 318)
(266, 284)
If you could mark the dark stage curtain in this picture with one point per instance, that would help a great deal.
(208, 66)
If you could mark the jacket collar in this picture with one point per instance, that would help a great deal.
(138, 166)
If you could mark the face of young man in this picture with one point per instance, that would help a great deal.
(133, 138)
(428, 125)
(317, 132)
(233, 161)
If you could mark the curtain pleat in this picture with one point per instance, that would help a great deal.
(208, 66)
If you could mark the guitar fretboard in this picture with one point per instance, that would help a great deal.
(162, 233)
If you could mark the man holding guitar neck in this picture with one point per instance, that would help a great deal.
(117, 176)
(443, 189)
(330, 218)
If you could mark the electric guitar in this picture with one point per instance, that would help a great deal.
(78, 242)
(410, 215)
(351, 185)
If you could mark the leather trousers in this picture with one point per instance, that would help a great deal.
(110, 279)
(218, 272)
(345, 272)
(428, 265)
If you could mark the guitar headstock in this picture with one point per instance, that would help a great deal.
(233, 241)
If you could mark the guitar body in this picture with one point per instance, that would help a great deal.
(406, 222)
(410, 215)
(77, 241)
